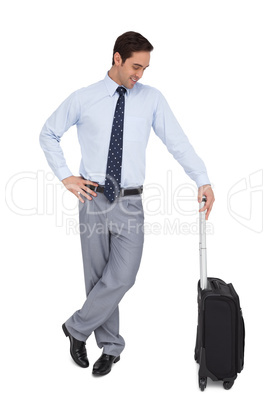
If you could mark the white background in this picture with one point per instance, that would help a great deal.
(210, 62)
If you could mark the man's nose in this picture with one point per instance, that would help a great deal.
(139, 74)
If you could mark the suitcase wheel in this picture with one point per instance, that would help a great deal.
(202, 383)
(228, 384)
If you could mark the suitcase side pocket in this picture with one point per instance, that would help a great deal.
(220, 336)
(241, 342)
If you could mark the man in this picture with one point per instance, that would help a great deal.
(114, 118)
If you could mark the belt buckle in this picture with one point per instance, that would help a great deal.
(122, 192)
(94, 188)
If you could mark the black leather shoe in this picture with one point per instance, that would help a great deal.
(77, 349)
(104, 364)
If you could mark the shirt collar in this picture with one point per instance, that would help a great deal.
(112, 86)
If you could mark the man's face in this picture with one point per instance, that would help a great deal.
(132, 70)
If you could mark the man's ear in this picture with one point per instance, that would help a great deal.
(117, 59)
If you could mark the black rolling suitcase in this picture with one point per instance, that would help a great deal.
(220, 336)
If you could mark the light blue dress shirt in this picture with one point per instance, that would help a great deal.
(92, 108)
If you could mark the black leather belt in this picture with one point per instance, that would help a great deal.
(123, 191)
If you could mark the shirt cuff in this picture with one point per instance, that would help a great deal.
(63, 172)
(202, 180)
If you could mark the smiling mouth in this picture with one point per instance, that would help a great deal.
(134, 80)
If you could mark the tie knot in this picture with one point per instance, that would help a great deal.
(121, 91)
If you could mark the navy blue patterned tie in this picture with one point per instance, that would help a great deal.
(114, 162)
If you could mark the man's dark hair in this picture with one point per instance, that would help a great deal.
(131, 42)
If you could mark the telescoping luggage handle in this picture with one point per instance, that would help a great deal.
(202, 245)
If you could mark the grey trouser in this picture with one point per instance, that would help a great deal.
(112, 241)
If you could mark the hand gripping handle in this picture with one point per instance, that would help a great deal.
(202, 245)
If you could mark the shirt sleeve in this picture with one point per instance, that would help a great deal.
(56, 125)
(167, 128)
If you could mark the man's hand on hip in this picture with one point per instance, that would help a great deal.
(77, 186)
(208, 192)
